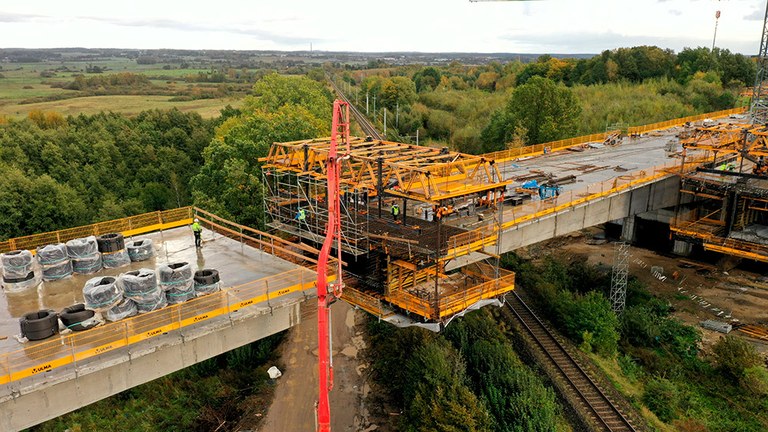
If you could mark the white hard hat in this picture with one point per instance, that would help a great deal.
(197, 220)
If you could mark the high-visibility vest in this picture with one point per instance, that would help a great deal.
(196, 227)
(302, 214)
(395, 210)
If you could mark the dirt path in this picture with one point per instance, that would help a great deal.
(292, 409)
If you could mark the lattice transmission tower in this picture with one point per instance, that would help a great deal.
(619, 277)
(758, 112)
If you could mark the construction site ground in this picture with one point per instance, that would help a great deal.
(698, 293)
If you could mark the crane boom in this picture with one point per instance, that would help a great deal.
(339, 129)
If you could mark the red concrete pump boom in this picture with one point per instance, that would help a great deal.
(339, 128)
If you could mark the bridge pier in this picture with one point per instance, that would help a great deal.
(42, 397)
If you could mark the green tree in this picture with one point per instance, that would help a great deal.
(398, 92)
(274, 91)
(547, 111)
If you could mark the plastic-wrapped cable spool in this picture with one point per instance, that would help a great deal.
(17, 285)
(140, 250)
(206, 281)
(176, 280)
(82, 247)
(124, 309)
(78, 318)
(111, 242)
(102, 293)
(16, 264)
(152, 305)
(140, 285)
(54, 261)
(85, 255)
(115, 259)
(87, 265)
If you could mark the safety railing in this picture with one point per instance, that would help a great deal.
(269, 243)
(553, 146)
(38, 357)
(683, 120)
(412, 303)
(537, 149)
(450, 304)
(132, 225)
(459, 301)
(467, 242)
(735, 247)
(366, 302)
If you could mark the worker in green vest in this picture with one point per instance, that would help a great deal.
(197, 230)
(395, 211)
(301, 216)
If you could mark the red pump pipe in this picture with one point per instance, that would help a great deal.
(340, 127)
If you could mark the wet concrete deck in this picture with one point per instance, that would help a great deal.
(236, 263)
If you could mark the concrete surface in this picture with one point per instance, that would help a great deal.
(236, 263)
(40, 398)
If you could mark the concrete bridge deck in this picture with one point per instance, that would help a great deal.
(45, 379)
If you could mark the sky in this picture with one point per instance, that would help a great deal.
(545, 26)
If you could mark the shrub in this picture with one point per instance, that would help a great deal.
(662, 397)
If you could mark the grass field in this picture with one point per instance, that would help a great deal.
(21, 82)
(129, 105)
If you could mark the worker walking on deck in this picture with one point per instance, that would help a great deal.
(395, 211)
(197, 230)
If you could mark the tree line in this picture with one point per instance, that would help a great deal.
(482, 108)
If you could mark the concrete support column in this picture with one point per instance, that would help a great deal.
(628, 229)
(682, 248)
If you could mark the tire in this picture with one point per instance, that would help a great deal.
(73, 316)
(206, 277)
(111, 242)
(39, 325)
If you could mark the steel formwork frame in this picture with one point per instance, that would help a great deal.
(419, 173)
(288, 191)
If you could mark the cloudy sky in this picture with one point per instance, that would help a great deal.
(546, 26)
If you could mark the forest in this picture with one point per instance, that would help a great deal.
(483, 108)
(61, 171)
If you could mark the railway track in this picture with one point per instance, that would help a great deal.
(603, 413)
(364, 123)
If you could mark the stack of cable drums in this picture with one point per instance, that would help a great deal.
(140, 250)
(176, 280)
(85, 255)
(141, 287)
(206, 281)
(55, 261)
(112, 248)
(18, 271)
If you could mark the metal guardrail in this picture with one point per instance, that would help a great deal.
(133, 225)
(553, 146)
(681, 121)
(537, 149)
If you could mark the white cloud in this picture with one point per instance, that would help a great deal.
(556, 26)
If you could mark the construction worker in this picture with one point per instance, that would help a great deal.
(197, 230)
(395, 211)
(301, 215)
